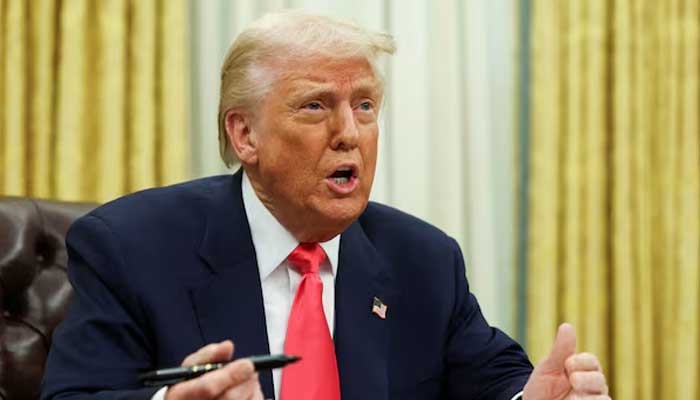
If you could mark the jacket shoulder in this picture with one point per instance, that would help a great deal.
(384, 224)
(164, 207)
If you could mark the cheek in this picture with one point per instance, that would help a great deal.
(287, 154)
(369, 150)
(369, 158)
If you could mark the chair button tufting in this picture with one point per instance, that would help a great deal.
(34, 297)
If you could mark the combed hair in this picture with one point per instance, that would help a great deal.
(247, 73)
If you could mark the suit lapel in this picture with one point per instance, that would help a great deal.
(361, 337)
(230, 304)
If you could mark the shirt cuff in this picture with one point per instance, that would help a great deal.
(160, 394)
(518, 396)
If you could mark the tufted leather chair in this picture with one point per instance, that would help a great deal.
(34, 289)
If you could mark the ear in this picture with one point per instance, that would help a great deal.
(240, 136)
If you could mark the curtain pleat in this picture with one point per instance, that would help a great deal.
(544, 231)
(614, 243)
(15, 97)
(92, 97)
(112, 37)
(174, 95)
(72, 118)
(667, 146)
(594, 215)
(689, 243)
(625, 352)
(42, 25)
(3, 95)
(142, 101)
(571, 150)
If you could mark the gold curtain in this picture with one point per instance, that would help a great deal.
(93, 97)
(614, 235)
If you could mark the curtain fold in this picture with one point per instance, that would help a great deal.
(614, 237)
(15, 85)
(93, 97)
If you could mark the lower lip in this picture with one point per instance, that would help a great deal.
(342, 188)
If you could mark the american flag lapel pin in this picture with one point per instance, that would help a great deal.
(379, 308)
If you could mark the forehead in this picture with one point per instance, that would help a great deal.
(343, 75)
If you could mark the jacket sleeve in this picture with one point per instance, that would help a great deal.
(482, 362)
(102, 345)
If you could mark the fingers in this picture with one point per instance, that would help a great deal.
(213, 384)
(247, 390)
(582, 362)
(588, 382)
(214, 352)
(585, 374)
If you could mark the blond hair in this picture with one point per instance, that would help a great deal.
(246, 74)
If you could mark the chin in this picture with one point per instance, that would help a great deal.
(339, 214)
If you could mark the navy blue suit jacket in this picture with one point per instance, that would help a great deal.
(163, 272)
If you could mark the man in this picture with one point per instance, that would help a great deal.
(287, 255)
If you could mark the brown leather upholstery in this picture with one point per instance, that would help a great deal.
(34, 287)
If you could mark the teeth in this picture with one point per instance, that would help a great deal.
(343, 169)
(341, 181)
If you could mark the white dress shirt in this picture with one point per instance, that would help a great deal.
(279, 279)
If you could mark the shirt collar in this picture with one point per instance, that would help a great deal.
(271, 240)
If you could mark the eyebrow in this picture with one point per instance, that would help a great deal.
(306, 88)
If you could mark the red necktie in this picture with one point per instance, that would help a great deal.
(315, 377)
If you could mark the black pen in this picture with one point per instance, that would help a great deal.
(170, 376)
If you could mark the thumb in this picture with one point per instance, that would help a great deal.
(215, 352)
(564, 347)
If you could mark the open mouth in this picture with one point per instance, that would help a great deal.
(344, 179)
(343, 175)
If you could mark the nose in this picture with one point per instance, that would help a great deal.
(343, 128)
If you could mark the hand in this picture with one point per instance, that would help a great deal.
(235, 381)
(565, 375)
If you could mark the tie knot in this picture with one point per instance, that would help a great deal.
(307, 258)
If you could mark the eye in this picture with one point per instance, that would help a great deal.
(366, 106)
(314, 105)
